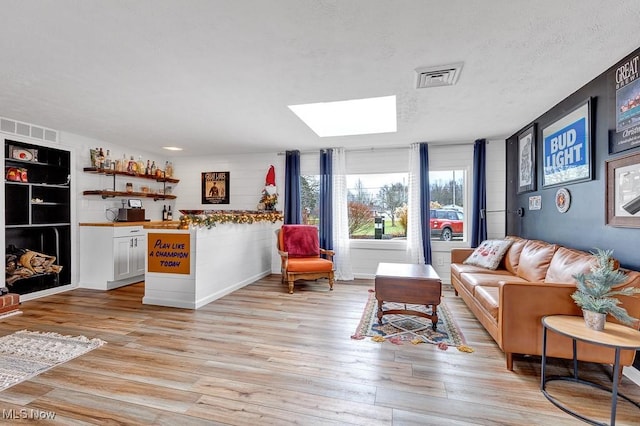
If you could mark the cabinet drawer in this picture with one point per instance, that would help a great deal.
(127, 231)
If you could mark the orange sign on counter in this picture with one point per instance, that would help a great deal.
(168, 253)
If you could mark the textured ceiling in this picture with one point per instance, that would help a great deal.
(216, 76)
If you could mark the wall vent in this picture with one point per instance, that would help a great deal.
(444, 75)
(29, 130)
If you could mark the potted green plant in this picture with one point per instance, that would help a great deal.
(596, 292)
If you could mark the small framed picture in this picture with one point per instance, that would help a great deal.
(623, 191)
(527, 160)
(535, 202)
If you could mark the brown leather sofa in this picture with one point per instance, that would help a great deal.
(534, 279)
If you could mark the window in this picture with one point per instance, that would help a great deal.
(377, 206)
(447, 194)
(377, 202)
(310, 199)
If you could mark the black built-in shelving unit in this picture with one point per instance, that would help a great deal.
(38, 211)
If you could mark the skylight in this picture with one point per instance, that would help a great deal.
(353, 117)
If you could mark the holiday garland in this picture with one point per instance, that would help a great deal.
(209, 220)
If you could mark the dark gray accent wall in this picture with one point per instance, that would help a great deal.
(583, 225)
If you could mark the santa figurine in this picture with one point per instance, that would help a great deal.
(270, 182)
(270, 191)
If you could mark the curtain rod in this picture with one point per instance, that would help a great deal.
(383, 148)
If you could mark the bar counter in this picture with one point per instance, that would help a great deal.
(188, 268)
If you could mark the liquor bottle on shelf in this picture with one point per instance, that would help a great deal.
(94, 157)
(140, 165)
(165, 214)
(168, 169)
(147, 170)
(132, 166)
(153, 168)
(108, 164)
(169, 214)
(100, 159)
(121, 166)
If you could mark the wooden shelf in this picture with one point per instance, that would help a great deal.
(112, 194)
(134, 175)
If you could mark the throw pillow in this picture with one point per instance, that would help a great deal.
(300, 240)
(489, 253)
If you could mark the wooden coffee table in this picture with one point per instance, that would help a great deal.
(408, 283)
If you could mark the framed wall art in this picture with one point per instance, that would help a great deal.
(215, 188)
(625, 133)
(566, 148)
(623, 191)
(527, 160)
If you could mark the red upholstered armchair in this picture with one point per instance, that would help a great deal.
(300, 252)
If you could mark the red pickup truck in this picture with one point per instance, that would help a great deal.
(446, 224)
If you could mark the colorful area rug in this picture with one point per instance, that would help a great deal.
(25, 354)
(398, 329)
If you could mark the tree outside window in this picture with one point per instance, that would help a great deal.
(377, 204)
(310, 199)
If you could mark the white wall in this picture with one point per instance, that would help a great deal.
(247, 174)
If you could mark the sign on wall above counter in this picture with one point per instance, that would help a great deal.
(215, 188)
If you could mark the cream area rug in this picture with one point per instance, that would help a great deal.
(25, 354)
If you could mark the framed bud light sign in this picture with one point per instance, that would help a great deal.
(566, 148)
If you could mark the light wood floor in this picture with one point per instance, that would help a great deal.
(261, 356)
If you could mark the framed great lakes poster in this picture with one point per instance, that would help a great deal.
(215, 188)
(625, 134)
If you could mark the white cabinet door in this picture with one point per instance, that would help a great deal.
(139, 255)
(122, 257)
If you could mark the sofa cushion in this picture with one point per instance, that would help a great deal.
(460, 268)
(471, 280)
(512, 257)
(566, 263)
(309, 264)
(489, 253)
(488, 298)
(535, 259)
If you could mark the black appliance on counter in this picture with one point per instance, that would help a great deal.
(133, 213)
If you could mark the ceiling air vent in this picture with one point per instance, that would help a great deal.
(444, 75)
(25, 129)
